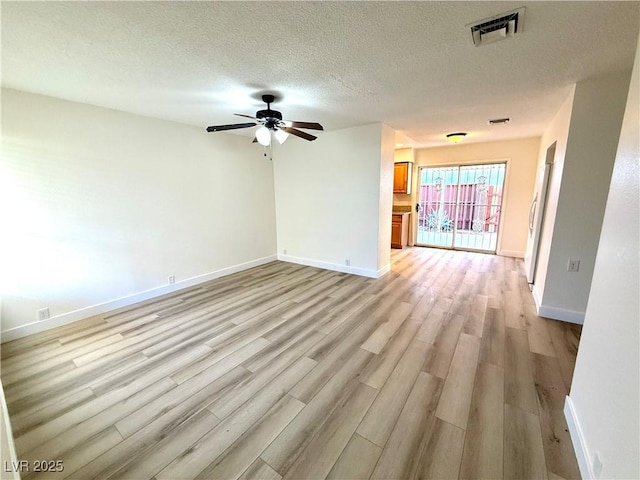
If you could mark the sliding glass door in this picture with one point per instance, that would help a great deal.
(460, 206)
(438, 198)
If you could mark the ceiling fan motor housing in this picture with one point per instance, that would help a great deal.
(271, 117)
(269, 114)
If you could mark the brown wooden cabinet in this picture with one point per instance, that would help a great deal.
(402, 177)
(399, 230)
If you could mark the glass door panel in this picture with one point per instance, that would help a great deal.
(438, 197)
(479, 207)
(460, 206)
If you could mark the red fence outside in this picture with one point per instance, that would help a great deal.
(474, 204)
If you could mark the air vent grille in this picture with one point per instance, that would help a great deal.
(496, 28)
(499, 121)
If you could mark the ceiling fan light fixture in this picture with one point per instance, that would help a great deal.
(264, 136)
(270, 124)
(281, 136)
(456, 137)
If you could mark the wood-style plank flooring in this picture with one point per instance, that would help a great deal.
(439, 369)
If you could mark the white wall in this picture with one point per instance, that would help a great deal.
(385, 205)
(403, 154)
(604, 395)
(557, 131)
(8, 457)
(521, 156)
(578, 191)
(328, 199)
(97, 205)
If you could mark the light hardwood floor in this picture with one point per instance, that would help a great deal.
(439, 369)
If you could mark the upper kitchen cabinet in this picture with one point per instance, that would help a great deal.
(402, 177)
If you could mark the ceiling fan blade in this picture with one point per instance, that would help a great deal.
(309, 125)
(299, 133)
(247, 116)
(233, 126)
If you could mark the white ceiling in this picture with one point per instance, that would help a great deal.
(411, 65)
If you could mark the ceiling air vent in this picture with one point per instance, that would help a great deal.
(496, 28)
(499, 121)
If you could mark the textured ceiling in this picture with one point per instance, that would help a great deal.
(411, 65)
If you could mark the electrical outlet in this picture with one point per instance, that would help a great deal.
(284, 251)
(171, 279)
(43, 314)
(597, 465)
(347, 262)
(573, 265)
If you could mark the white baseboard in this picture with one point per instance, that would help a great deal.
(561, 314)
(556, 313)
(534, 294)
(511, 253)
(570, 316)
(73, 316)
(577, 439)
(384, 270)
(336, 267)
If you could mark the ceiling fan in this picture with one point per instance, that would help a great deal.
(270, 121)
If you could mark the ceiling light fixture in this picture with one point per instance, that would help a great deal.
(270, 125)
(263, 135)
(281, 136)
(456, 137)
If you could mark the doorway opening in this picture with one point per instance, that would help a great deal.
(460, 206)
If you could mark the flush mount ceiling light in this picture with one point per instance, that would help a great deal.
(456, 137)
